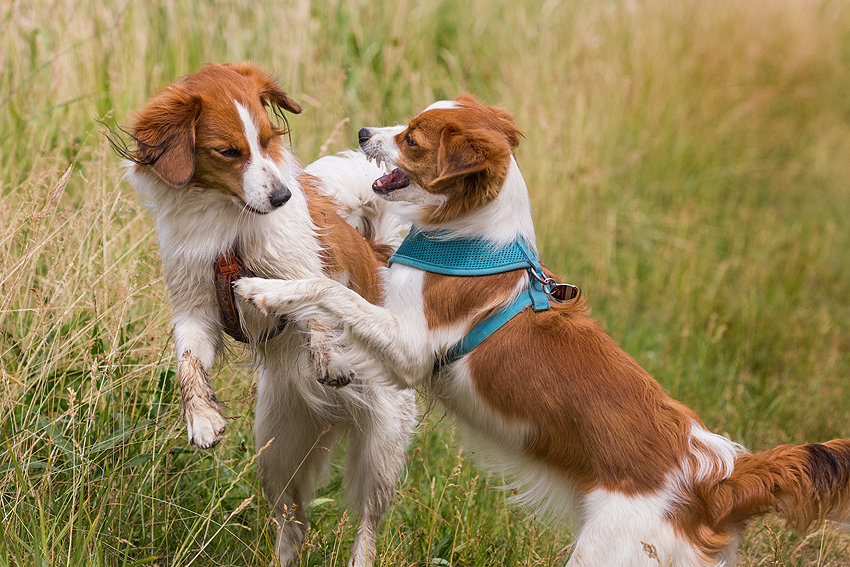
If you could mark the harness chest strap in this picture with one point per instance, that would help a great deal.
(228, 268)
(482, 330)
(475, 257)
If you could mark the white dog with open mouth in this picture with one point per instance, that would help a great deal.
(547, 392)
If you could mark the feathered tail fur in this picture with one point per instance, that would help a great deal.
(804, 484)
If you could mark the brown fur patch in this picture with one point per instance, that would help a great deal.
(195, 388)
(347, 253)
(449, 299)
(596, 414)
(805, 484)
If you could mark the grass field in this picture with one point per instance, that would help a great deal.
(688, 163)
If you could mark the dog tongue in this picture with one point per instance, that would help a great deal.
(396, 179)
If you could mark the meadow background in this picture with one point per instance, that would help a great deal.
(688, 163)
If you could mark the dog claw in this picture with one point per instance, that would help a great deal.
(339, 380)
(205, 446)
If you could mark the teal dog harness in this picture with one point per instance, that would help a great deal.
(431, 252)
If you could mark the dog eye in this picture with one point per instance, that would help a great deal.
(230, 153)
(410, 141)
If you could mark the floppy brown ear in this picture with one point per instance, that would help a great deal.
(270, 91)
(472, 166)
(165, 136)
(479, 152)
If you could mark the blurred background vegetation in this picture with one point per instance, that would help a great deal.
(688, 165)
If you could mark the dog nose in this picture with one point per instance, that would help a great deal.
(279, 197)
(363, 136)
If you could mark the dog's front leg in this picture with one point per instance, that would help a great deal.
(398, 348)
(196, 346)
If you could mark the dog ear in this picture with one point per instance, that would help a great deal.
(466, 98)
(270, 91)
(164, 133)
(472, 166)
(480, 152)
(504, 119)
(507, 123)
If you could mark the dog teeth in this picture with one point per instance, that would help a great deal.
(379, 183)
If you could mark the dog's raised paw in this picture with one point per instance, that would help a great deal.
(250, 289)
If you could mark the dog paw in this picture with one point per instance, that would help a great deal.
(324, 349)
(338, 372)
(205, 426)
(336, 378)
(328, 375)
(255, 291)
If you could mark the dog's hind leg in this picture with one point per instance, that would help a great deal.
(295, 460)
(375, 459)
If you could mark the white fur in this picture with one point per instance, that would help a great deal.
(261, 172)
(715, 455)
(381, 139)
(301, 418)
(633, 531)
(348, 180)
(441, 104)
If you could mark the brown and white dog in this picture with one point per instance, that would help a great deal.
(216, 173)
(550, 396)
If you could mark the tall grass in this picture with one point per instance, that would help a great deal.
(688, 168)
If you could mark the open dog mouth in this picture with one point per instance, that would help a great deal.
(396, 179)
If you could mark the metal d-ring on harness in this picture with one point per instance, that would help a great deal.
(433, 252)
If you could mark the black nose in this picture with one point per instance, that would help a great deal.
(279, 196)
(363, 136)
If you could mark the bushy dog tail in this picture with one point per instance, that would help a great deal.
(804, 484)
(347, 180)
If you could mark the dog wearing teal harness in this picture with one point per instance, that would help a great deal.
(437, 253)
(575, 423)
